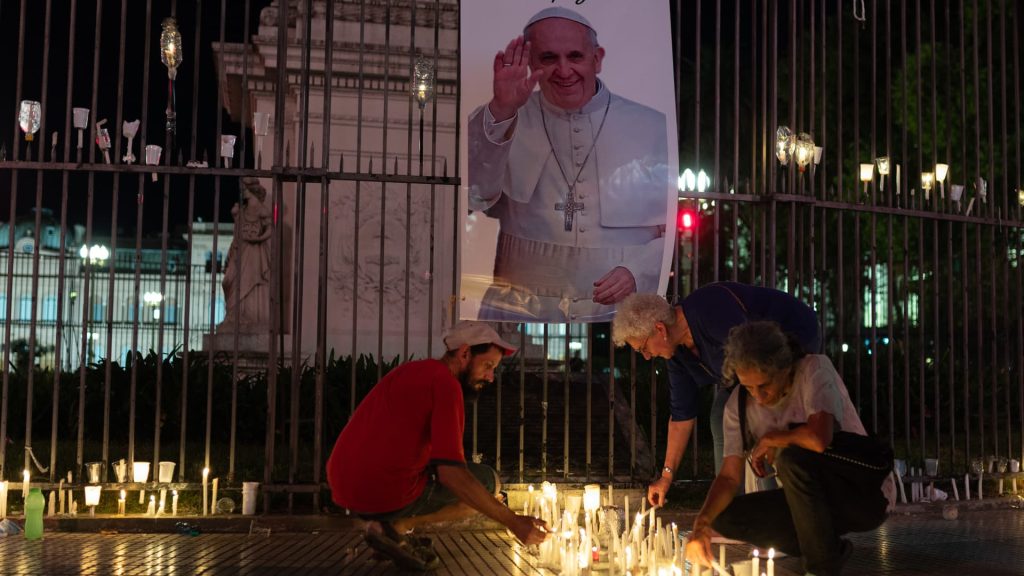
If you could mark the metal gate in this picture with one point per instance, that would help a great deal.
(345, 113)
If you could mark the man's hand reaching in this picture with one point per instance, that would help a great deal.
(529, 530)
(513, 82)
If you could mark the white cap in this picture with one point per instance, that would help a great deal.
(471, 333)
(558, 12)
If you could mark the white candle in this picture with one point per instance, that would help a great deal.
(24, 484)
(206, 474)
(967, 485)
(611, 500)
(529, 500)
(174, 502)
(771, 562)
(897, 183)
(4, 486)
(956, 493)
(625, 503)
(151, 509)
(756, 563)
(121, 503)
(213, 501)
(980, 478)
(163, 501)
(51, 504)
(60, 497)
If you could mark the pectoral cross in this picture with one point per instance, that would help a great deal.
(570, 208)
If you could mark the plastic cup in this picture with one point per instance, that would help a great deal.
(931, 466)
(250, 492)
(166, 472)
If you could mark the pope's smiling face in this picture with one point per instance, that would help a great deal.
(564, 50)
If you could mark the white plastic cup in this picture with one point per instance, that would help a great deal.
(931, 466)
(140, 471)
(250, 492)
(166, 473)
(93, 469)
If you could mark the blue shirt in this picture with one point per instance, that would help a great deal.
(711, 311)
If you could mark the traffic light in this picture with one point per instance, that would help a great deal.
(687, 220)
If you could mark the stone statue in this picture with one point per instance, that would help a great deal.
(247, 268)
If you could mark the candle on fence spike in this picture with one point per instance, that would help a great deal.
(24, 484)
(174, 502)
(206, 475)
(60, 497)
(771, 562)
(213, 501)
(956, 493)
(756, 562)
(980, 478)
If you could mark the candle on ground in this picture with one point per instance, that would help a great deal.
(174, 502)
(206, 475)
(4, 487)
(151, 509)
(213, 501)
(120, 503)
(60, 498)
(163, 502)
(51, 504)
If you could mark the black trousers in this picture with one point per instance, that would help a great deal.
(821, 498)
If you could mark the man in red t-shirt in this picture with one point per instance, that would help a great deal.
(399, 462)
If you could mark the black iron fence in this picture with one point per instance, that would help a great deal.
(916, 278)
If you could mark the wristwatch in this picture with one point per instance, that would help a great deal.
(667, 470)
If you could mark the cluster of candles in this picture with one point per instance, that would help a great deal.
(601, 545)
(62, 501)
(30, 115)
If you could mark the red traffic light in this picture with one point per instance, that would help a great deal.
(687, 220)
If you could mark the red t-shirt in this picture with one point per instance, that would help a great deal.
(412, 417)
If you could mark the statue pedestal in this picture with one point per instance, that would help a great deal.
(253, 349)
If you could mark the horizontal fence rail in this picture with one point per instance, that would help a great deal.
(227, 305)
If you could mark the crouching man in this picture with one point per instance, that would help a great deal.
(792, 416)
(399, 462)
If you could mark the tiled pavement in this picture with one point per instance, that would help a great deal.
(980, 542)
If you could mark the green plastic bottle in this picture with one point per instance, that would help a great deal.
(34, 505)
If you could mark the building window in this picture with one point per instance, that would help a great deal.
(49, 313)
(25, 308)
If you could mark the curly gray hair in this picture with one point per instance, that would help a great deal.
(760, 345)
(636, 315)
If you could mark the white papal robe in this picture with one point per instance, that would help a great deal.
(543, 272)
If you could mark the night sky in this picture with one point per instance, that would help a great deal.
(206, 112)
